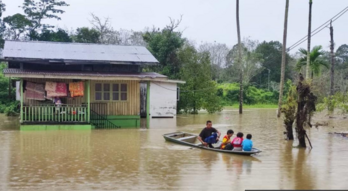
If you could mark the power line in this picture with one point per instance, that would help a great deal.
(319, 29)
(204, 89)
(327, 22)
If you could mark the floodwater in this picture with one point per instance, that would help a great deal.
(140, 159)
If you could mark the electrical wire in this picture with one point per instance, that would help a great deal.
(302, 40)
(319, 29)
(204, 89)
(305, 37)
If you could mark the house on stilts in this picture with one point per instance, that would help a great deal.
(86, 86)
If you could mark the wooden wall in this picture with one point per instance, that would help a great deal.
(129, 107)
(72, 101)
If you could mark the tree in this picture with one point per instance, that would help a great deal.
(250, 63)
(342, 56)
(282, 75)
(289, 110)
(54, 36)
(108, 35)
(136, 38)
(309, 38)
(16, 26)
(7, 103)
(164, 44)
(305, 105)
(103, 27)
(239, 61)
(271, 57)
(199, 91)
(38, 10)
(217, 53)
(2, 25)
(86, 35)
(125, 37)
(316, 60)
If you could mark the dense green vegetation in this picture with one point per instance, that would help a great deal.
(229, 93)
(8, 105)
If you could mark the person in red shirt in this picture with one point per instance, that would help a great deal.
(237, 142)
(226, 144)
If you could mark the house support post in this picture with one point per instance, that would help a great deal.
(89, 100)
(21, 94)
(148, 105)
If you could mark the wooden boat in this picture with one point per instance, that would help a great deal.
(191, 140)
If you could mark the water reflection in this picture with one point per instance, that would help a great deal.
(140, 159)
(49, 156)
(9, 123)
(303, 171)
(208, 158)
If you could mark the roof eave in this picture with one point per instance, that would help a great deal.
(131, 78)
(74, 62)
(88, 77)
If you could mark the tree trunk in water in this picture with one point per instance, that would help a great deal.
(309, 39)
(332, 47)
(289, 133)
(281, 86)
(305, 105)
(239, 61)
(300, 120)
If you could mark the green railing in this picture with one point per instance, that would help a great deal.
(55, 114)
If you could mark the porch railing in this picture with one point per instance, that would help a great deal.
(55, 114)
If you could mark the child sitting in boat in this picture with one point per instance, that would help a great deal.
(247, 143)
(237, 142)
(226, 144)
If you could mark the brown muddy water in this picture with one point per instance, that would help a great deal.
(140, 159)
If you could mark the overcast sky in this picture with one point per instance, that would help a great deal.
(209, 20)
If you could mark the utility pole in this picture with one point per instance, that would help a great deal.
(309, 38)
(239, 60)
(269, 73)
(332, 47)
(282, 72)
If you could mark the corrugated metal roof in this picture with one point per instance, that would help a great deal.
(77, 52)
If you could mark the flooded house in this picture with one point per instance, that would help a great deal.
(86, 86)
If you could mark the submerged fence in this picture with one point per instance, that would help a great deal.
(55, 114)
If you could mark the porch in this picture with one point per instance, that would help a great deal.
(50, 114)
(105, 108)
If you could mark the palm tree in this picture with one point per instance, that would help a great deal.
(239, 61)
(316, 60)
(281, 86)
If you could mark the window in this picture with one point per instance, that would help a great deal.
(98, 92)
(115, 92)
(123, 92)
(106, 92)
(111, 92)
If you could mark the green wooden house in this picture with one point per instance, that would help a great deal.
(110, 77)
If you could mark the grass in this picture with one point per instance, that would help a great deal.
(258, 106)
